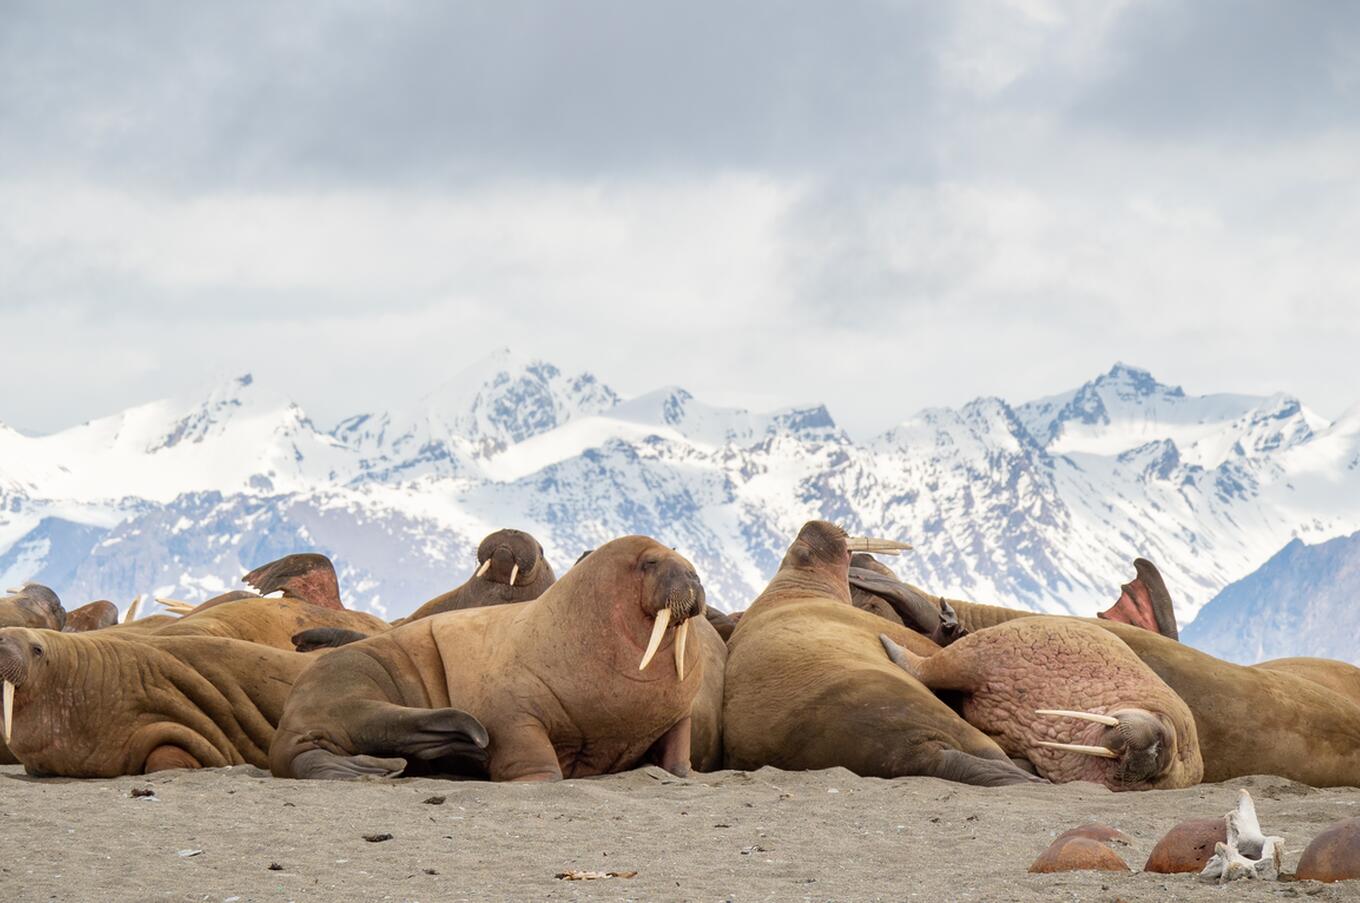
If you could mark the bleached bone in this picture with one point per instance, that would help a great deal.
(1249, 853)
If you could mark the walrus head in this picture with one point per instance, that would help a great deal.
(33, 605)
(307, 576)
(671, 595)
(21, 652)
(1140, 745)
(512, 558)
(95, 616)
(819, 559)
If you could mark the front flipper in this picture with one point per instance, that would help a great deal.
(912, 606)
(1145, 602)
(314, 638)
(166, 757)
(320, 764)
(426, 734)
(956, 765)
(671, 750)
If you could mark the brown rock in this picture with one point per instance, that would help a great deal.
(1334, 855)
(1078, 854)
(1187, 847)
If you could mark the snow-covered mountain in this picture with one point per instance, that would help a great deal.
(1303, 601)
(1041, 505)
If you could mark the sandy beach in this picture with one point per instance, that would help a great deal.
(236, 835)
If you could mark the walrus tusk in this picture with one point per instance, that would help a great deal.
(486, 566)
(879, 546)
(514, 572)
(1103, 752)
(680, 634)
(1107, 720)
(131, 614)
(9, 709)
(663, 620)
(174, 605)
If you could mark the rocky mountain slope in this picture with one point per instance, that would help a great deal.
(1041, 504)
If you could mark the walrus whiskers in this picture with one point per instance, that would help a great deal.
(9, 709)
(1107, 720)
(486, 566)
(680, 634)
(663, 620)
(514, 572)
(1101, 751)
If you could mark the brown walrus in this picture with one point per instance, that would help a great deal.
(1339, 677)
(94, 616)
(510, 568)
(271, 622)
(1070, 698)
(808, 685)
(1249, 720)
(33, 605)
(308, 576)
(567, 685)
(97, 705)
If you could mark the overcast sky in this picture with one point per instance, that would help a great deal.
(881, 206)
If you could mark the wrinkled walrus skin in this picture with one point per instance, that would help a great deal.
(1249, 720)
(548, 689)
(1339, 677)
(271, 622)
(809, 686)
(94, 705)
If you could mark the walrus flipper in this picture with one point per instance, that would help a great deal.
(314, 638)
(388, 729)
(1145, 602)
(916, 611)
(320, 764)
(965, 768)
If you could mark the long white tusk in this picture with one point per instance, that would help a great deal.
(680, 634)
(9, 709)
(1107, 720)
(514, 572)
(175, 605)
(1101, 751)
(663, 618)
(131, 614)
(486, 566)
(879, 546)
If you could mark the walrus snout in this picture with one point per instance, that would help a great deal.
(672, 592)
(508, 556)
(1139, 743)
(15, 648)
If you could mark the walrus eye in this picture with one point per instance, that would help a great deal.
(649, 564)
(37, 652)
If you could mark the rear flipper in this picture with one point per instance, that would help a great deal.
(319, 764)
(314, 638)
(1145, 602)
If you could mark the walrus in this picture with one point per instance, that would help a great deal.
(876, 589)
(96, 705)
(1249, 720)
(32, 605)
(808, 685)
(94, 616)
(308, 576)
(591, 677)
(1071, 699)
(271, 622)
(510, 568)
(1339, 677)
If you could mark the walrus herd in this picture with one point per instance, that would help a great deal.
(518, 675)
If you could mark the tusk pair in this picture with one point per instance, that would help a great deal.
(1102, 751)
(514, 572)
(1107, 720)
(9, 709)
(878, 546)
(131, 614)
(663, 620)
(486, 566)
(174, 606)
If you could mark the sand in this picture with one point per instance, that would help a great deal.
(764, 835)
